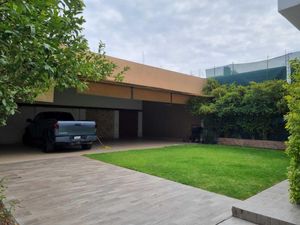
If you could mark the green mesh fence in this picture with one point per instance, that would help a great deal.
(243, 73)
(257, 76)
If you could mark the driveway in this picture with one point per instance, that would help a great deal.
(80, 191)
(20, 153)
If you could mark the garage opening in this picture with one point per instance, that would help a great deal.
(128, 124)
(111, 123)
(168, 121)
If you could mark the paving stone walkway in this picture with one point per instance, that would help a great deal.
(78, 190)
(269, 207)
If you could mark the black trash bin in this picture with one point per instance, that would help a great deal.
(196, 134)
(209, 136)
(203, 135)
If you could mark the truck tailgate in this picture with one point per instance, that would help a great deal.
(76, 128)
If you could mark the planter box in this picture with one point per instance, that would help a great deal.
(279, 145)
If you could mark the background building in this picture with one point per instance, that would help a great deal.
(269, 69)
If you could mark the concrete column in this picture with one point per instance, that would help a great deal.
(140, 124)
(116, 124)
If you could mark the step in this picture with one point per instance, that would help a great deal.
(270, 207)
(235, 221)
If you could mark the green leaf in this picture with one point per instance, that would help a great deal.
(3, 102)
(32, 30)
(43, 45)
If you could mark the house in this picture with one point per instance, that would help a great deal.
(150, 102)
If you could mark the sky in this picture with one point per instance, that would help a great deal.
(189, 36)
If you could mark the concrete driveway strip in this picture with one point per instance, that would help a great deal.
(81, 191)
(20, 153)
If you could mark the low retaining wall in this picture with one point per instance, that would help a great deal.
(279, 145)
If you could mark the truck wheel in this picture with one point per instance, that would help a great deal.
(48, 146)
(86, 146)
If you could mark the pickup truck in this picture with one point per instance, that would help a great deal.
(51, 129)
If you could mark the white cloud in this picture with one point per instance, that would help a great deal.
(191, 35)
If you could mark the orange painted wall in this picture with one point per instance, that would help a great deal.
(109, 90)
(142, 82)
(46, 97)
(136, 93)
(148, 76)
(180, 99)
(149, 95)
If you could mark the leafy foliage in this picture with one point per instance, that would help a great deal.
(293, 126)
(6, 213)
(252, 111)
(42, 47)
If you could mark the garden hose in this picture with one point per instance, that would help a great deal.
(104, 146)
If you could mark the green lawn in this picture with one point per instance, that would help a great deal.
(237, 172)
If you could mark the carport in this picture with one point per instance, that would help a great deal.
(149, 103)
(110, 114)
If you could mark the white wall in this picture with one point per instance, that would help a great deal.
(290, 9)
(284, 4)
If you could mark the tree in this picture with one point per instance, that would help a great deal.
(252, 111)
(41, 47)
(293, 126)
(265, 104)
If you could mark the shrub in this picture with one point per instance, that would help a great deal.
(42, 47)
(293, 126)
(6, 217)
(254, 111)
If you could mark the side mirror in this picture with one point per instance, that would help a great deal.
(29, 120)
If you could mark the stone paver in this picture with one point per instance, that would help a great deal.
(270, 207)
(78, 190)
